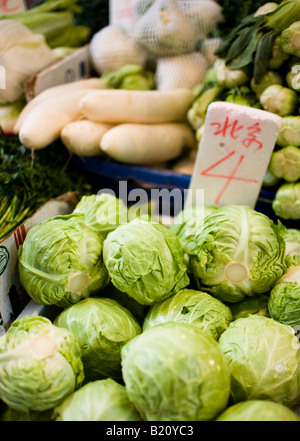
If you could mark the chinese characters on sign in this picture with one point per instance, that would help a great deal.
(234, 154)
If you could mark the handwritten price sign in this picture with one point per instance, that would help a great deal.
(233, 155)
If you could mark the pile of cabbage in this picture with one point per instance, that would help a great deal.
(192, 322)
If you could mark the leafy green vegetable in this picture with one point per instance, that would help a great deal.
(238, 252)
(280, 100)
(250, 305)
(284, 301)
(26, 181)
(290, 39)
(286, 203)
(101, 400)
(103, 212)
(285, 163)
(56, 20)
(40, 365)
(251, 41)
(186, 223)
(131, 77)
(60, 261)
(194, 307)
(144, 259)
(292, 241)
(289, 132)
(102, 327)
(175, 372)
(258, 410)
(264, 360)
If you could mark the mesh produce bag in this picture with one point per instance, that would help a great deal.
(165, 30)
(112, 47)
(180, 71)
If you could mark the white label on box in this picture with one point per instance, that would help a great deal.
(73, 67)
(234, 154)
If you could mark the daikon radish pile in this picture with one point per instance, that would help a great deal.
(45, 121)
(83, 137)
(117, 106)
(52, 92)
(146, 144)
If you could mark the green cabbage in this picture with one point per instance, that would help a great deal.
(103, 212)
(258, 410)
(284, 301)
(175, 372)
(238, 252)
(292, 242)
(40, 364)
(101, 400)
(102, 327)
(186, 224)
(250, 305)
(144, 259)
(60, 262)
(194, 307)
(264, 360)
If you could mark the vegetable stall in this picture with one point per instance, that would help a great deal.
(130, 316)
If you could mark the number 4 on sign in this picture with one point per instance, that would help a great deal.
(229, 178)
(234, 154)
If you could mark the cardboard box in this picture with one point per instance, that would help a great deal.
(13, 298)
(73, 67)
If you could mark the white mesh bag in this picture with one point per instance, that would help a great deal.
(112, 47)
(165, 30)
(205, 15)
(180, 71)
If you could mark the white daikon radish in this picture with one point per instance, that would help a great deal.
(117, 106)
(147, 143)
(52, 92)
(44, 123)
(83, 137)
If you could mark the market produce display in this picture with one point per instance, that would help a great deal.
(152, 327)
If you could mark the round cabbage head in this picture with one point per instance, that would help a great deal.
(194, 307)
(239, 252)
(284, 300)
(103, 212)
(292, 240)
(186, 224)
(102, 327)
(176, 372)
(258, 410)
(264, 360)
(101, 400)
(60, 262)
(144, 259)
(40, 364)
(250, 305)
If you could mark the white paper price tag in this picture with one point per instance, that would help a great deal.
(234, 154)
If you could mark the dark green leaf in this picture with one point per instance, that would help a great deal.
(263, 55)
(247, 56)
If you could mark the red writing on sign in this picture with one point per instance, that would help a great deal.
(233, 130)
(7, 6)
